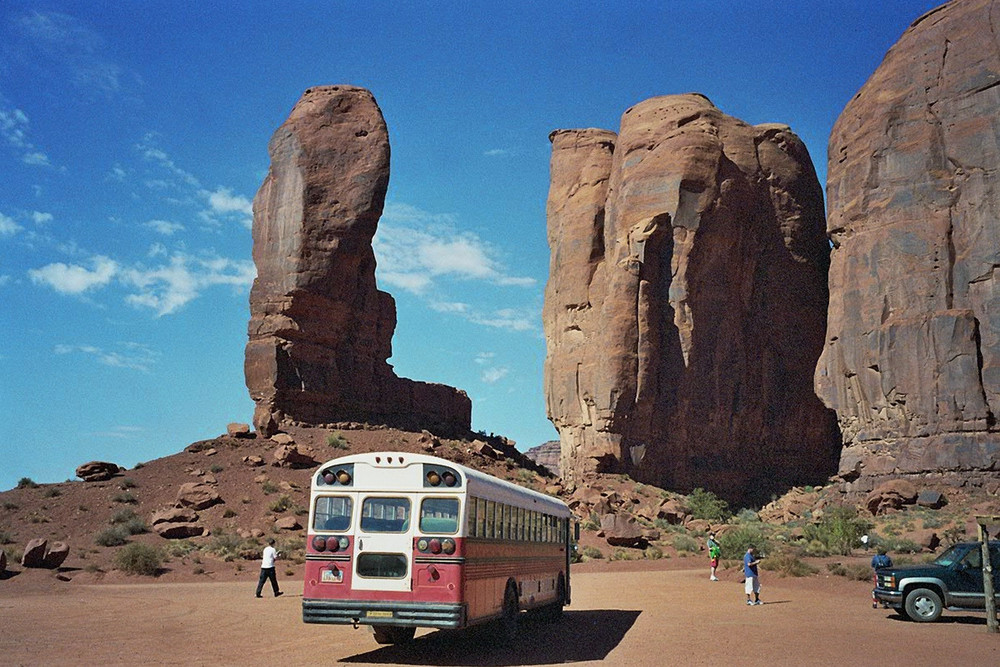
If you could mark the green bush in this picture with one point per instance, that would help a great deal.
(6, 537)
(52, 492)
(788, 564)
(130, 522)
(708, 506)
(686, 543)
(114, 536)
(734, 541)
(126, 484)
(125, 498)
(853, 571)
(337, 441)
(281, 504)
(139, 558)
(268, 487)
(839, 530)
(592, 553)
(653, 553)
(27, 483)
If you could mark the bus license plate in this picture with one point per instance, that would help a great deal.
(379, 614)
(332, 577)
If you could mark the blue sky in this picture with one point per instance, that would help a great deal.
(133, 136)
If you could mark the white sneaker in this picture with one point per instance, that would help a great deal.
(750, 604)
(758, 602)
(713, 578)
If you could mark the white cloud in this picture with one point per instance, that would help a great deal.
(414, 249)
(494, 374)
(70, 50)
(449, 306)
(222, 202)
(36, 158)
(167, 288)
(7, 226)
(494, 152)
(14, 129)
(506, 318)
(164, 227)
(131, 356)
(149, 150)
(41, 218)
(73, 278)
(484, 357)
(120, 432)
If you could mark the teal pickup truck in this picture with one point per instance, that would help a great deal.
(953, 580)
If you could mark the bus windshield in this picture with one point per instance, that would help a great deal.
(385, 515)
(439, 515)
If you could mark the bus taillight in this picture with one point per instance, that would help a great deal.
(435, 546)
(319, 543)
(448, 546)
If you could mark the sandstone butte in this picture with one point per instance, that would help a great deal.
(912, 358)
(686, 303)
(320, 332)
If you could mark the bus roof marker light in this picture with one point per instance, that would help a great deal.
(433, 478)
(328, 477)
(449, 479)
(344, 477)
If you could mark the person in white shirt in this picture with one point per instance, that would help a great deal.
(267, 569)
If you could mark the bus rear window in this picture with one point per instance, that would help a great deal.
(385, 515)
(332, 513)
(382, 566)
(439, 515)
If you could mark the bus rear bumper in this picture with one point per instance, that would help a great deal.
(362, 612)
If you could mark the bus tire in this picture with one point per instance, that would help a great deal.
(393, 634)
(511, 613)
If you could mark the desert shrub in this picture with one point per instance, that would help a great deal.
(788, 564)
(7, 505)
(229, 513)
(685, 543)
(198, 570)
(624, 554)
(125, 498)
(52, 492)
(27, 483)
(130, 521)
(653, 553)
(114, 536)
(840, 529)
(337, 441)
(734, 542)
(6, 537)
(852, 571)
(35, 517)
(216, 469)
(179, 548)
(592, 553)
(139, 558)
(230, 546)
(126, 484)
(708, 506)
(268, 487)
(281, 504)
(747, 515)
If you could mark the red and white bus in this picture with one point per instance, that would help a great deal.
(399, 541)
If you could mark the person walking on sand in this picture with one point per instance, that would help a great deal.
(267, 569)
(750, 562)
(714, 551)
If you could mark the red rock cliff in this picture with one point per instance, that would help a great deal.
(320, 331)
(912, 359)
(686, 302)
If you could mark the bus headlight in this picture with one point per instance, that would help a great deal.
(422, 544)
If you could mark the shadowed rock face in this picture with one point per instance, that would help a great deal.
(912, 359)
(686, 302)
(320, 331)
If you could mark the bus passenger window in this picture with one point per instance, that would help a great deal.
(481, 517)
(490, 514)
(471, 515)
(439, 515)
(385, 515)
(332, 513)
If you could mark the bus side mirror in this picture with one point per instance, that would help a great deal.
(576, 530)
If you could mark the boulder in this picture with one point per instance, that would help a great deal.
(687, 284)
(173, 515)
(34, 553)
(289, 456)
(198, 496)
(179, 531)
(176, 523)
(55, 555)
(673, 511)
(320, 331)
(253, 460)
(622, 531)
(98, 471)
(288, 523)
(891, 496)
(282, 439)
(932, 499)
(912, 359)
(239, 430)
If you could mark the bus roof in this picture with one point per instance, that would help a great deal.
(477, 482)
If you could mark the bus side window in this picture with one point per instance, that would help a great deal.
(490, 514)
(471, 516)
(481, 517)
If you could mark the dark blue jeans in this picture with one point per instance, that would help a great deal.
(265, 574)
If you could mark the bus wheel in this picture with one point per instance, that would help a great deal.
(508, 621)
(392, 634)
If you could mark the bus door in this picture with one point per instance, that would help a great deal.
(383, 543)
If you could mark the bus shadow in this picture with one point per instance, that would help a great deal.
(580, 636)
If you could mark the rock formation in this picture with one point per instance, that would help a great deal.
(547, 456)
(320, 331)
(686, 302)
(912, 359)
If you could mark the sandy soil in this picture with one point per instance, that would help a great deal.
(620, 615)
